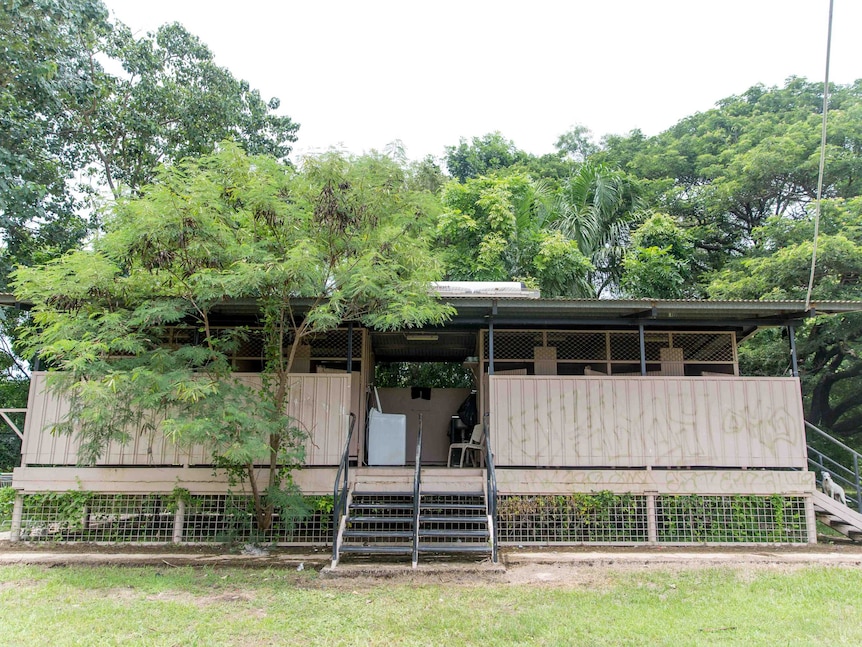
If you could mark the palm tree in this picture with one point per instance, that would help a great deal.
(596, 207)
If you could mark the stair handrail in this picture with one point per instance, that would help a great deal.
(855, 481)
(491, 488)
(417, 480)
(339, 490)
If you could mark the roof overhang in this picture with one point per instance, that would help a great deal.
(478, 310)
(741, 316)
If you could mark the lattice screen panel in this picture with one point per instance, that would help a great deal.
(513, 345)
(586, 346)
(333, 344)
(705, 347)
(619, 352)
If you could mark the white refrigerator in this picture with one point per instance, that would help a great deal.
(387, 438)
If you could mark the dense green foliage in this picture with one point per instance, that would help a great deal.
(64, 116)
(132, 323)
(721, 205)
(718, 206)
(87, 108)
(436, 375)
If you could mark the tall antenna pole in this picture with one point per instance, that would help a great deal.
(822, 162)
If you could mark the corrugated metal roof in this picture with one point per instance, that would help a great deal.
(471, 306)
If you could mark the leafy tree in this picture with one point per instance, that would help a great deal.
(492, 229)
(426, 175)
(482, 155)
(437, 375)
(44, 84)
(576, 144)
(829, 347)
(63, 115)
(595, 208)
(658, 263)
(343, 235)
(173, 102)
(725, 171)
(71, 126)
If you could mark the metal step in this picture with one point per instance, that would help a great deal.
(378, 519)
(450, 521)
(377, 506)
(454, 548)
(433, 532)
(448, 518)
(452, 506)
(405, 534)
(376, 494)
(377, 549)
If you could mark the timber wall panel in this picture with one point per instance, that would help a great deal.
(576, 421)
(515, 481)
(319, 402)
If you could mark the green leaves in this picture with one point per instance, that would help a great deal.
(508, 226)
(136, 325)
(659, 263)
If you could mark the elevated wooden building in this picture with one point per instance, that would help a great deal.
(612, 421)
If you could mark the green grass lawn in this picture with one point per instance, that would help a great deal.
(651, 606)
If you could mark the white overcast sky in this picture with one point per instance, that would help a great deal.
(360, 74)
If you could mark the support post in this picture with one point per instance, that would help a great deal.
(17, 515)
(350, 347)
(810, 519)
(794, 361)
(643, 348)
(179, 521)
(491, 339)
(856, 476)
(652, 523)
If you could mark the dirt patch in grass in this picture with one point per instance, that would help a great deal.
(224, 597)
(17, 585)
(586, 567)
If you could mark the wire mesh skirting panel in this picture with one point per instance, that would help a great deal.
(602, 517)
(82, 516)
(608, 518)
(731, 519)
(164, 518)
(226, 518)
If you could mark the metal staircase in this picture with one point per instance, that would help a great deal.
(833, 456)
(383, 517)
(434, 511)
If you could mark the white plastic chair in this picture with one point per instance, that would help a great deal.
(475, 446)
